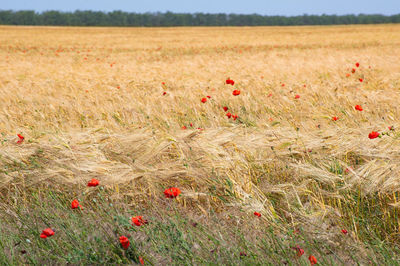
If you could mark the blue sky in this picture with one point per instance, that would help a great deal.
(264, 7)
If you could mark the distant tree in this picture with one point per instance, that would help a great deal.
(52, 18)
(124, 19)
(23, 18)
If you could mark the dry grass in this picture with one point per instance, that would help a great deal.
(283, 157)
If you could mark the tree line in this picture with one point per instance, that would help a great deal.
(120, 18)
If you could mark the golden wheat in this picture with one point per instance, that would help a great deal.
(90, 104)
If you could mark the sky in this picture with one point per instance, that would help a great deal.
(263, 7)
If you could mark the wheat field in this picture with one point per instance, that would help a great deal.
(90, 103)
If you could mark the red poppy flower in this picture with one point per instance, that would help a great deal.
(234, 117)
(236, 92)
(225, 108)
(229, 81)
(46, 233)
(93, 183)
(20, 138)
(164, 93)
(209, 97)
(141, 260)
(191, 124)
(75, 204)
(269, 95)
(138, 220)
(299, 250)
(335, 118)
(204, 100)
(118, 87)
(358, 107)
(361, 80)
(229, 115)
(312, 260)
(347, 75)
(257, 214)
(373, 135)
(357, 64)
(283, 85)
(391, 128)
(184, 127)
(353, 70)
(297, 96)
(162, 83)
(172, 192)
(124, 242)
(344, 231)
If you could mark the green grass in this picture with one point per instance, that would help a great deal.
(174, 235)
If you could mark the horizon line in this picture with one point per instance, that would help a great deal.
(194, 13)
